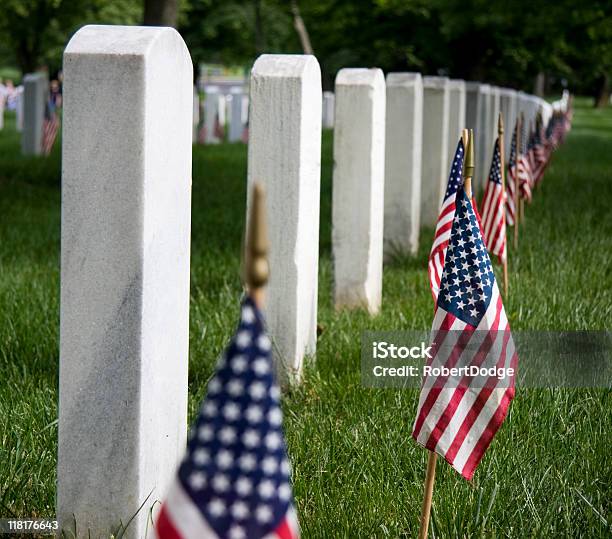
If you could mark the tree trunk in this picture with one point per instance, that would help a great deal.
(602, 98)
(300, 28)
(260, 38)
(160, 12)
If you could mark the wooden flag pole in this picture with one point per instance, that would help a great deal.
(256, 268)
(429, 485)
(432, 459)
(500, 132)
(517, 127)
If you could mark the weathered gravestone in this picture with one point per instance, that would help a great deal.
(35, 86)
(508, 105)
(19, 109)
(358, 188)
(196, 114)
(237, 116)
(403, 149)
(214, 116)
(285, 156)
(328, 110)
(124, 321)
(473, 107)
(483, 136)
(457, 115)
(436, 109)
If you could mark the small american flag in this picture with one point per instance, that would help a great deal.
(525, 175)
(537, 155)
(518, 174)
(458, 420)
(51, 126)
(511, 181)
(493, 220)
(235, 479)
(445, 222)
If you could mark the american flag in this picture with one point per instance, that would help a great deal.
(537, 155)
(458, 418)
(493, 220)
(235, 479)
(511, 181)
(525, 176)
(445, 221)
(50, 128)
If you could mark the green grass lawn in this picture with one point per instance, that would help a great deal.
(357, 472)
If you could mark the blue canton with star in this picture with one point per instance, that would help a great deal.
(236, 470)
(455, 179)
(467, 280)
(495, 173)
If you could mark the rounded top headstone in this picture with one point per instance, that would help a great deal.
(358, 76)
(286, 66)
(404, 79)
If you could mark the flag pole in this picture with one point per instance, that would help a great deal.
(517, 127)
(500, 132)
(257, 245)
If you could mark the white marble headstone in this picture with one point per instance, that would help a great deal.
(285, 156)
(436, 110)
(403, 147)
(124, 320)
(358, 188)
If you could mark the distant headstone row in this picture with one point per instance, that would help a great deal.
(126, 230)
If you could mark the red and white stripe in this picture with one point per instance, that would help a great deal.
(440, 244)
(457, 420)
(510, 194)
(179, 518)
(50, 129)
(525, 177)
(493, 222)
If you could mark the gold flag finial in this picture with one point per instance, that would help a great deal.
(256, 268)
(500, 124)
(468, 164)
(469, 156)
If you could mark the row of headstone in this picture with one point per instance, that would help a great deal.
(217, 112)
(126, 186)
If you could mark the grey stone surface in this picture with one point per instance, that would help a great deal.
(124, 321)
(328, 110)
(35, 86)
(457, 115)
(508, 104)
(358, 188)
(214, 116)
(403, 153)
(19, 109)
(285, 155)
(436, 106)
(196, 114)
(238, 118)
(483, 137)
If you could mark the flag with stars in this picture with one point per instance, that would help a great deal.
(493, 220)
(537, 154)
(445, 221)
(234, 481)
(458, 415)
(524, 172)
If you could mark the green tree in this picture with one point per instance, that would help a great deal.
(36, 31)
